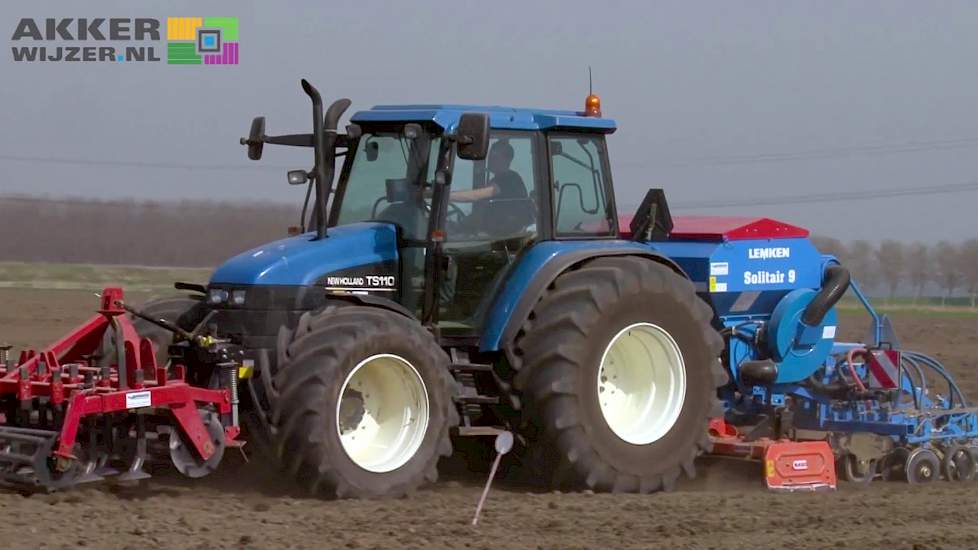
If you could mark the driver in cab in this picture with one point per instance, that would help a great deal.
(499, 206)
(505, 182)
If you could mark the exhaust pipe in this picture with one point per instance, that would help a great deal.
(324, 147)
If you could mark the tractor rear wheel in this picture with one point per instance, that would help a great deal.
(619, 371)
(365, 404)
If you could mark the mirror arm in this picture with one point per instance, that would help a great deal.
(294, 140)
(305, 207)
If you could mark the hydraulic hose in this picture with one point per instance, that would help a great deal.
(833, 389)
(834, 286)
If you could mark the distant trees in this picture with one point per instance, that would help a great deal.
(892, 264)
(187, 233)
(947, 264)
(206, 233)
(861, 260)
(828, 245)
(968, 257)
(917, 262)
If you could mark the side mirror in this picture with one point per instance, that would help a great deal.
(255, 137)
(372, 150)
(472, 136)
(354, 131)
(298, 177)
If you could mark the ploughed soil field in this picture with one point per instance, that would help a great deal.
(245, 506)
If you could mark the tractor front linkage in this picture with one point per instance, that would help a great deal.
(96, 403)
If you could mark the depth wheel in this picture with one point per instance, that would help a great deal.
(958, 464)
(893, 465)
(365, 404)
(923, 466)
(185, 458)
(618, 370)
(857, 471)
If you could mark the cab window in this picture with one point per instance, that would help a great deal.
(507, 208)
(491, 217)
(382, 182)
(581, 205)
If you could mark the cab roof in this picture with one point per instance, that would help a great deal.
(503, 118)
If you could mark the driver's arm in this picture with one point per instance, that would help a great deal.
(472, 195)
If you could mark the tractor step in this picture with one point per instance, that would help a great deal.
(474, 431)
(469, 367)
(477, 400)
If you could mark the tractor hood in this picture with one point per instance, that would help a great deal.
(301, 260)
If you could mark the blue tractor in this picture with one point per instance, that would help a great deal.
(468, 274)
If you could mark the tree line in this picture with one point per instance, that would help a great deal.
(203, 234)
(175, 234)
(892, 266)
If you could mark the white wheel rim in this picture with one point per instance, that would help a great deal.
(641, 383)
(382, 414)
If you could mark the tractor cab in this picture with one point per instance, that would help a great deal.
(463, 220)
(431, 209)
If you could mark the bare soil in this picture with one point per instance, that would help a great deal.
(244, 506)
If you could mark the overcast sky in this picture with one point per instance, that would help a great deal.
(716, 101)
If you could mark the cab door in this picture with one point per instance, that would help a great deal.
(484, 236)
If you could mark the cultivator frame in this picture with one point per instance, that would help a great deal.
(68, 413)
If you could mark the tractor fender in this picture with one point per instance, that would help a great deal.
(538, 268)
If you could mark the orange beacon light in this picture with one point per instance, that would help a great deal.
(592, 106)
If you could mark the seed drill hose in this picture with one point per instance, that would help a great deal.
(834, 286)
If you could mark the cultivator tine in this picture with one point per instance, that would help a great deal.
(70, 411)
(135, 472)
(108, 448)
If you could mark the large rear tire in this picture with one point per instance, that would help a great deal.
(619, 369)
(365, 404)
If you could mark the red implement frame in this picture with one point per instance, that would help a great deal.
(788, 465)
(59, 373)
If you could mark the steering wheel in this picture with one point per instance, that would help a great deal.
(454, 209)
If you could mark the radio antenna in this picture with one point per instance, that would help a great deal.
(590, 82)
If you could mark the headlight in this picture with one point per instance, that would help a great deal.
(217, 296)
(238, 297)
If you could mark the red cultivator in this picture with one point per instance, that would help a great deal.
(95, 403)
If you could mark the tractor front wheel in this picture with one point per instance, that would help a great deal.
(365, 404)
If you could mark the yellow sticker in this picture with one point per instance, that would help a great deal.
(713, 284)
(770, 468)
(247, 369)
